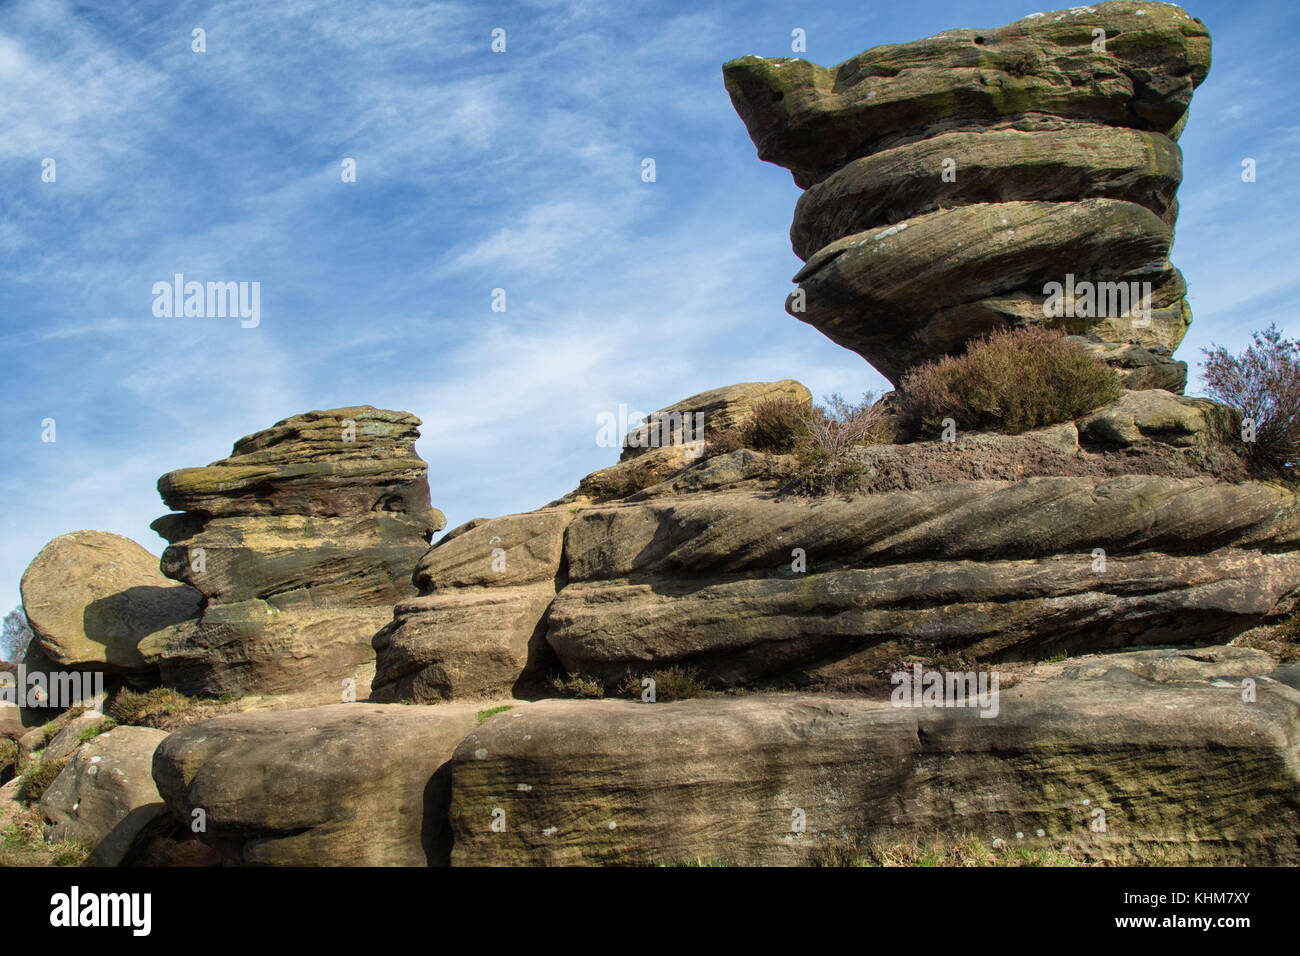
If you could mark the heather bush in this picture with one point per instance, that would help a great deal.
(831, 431)
(1263, 383)
(1010, 381)
(775, 425)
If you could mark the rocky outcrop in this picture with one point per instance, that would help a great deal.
(341, 785)
(951, 179)
(92, 597)
(105, 796)
(1104, 761)
(476, 629)
(301, 542)
(1137, 525)
(696, 418)
(747, 587)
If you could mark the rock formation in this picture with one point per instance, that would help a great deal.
(949, 180)
(1082, 580)
(301, 542)
(986, 547)
(774, 779)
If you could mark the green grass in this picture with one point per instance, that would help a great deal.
(162, 708)
(485, 714)
(90, 733)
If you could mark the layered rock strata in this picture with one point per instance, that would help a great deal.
(301, 542)
(949, 181)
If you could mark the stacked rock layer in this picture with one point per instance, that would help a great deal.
(301, 542)
(950, 180)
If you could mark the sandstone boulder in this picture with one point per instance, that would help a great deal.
(476, 629)
(1041, 72)
(68, 738)
(92, 597)
(340, 785)
(106, 795)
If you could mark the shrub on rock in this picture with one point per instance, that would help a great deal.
(1263, 383)
(1011, 381)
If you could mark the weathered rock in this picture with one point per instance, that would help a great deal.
(1042, 72)
(694, 419)
(106, 794)
(341, 785)
(476, 628)
(922, 288)
(1138, 368)
(91, 597)
(301, 543)
(1183, 771)
(1156, 414)
(995, 166)
(993, 569)
(63, 743)
(951, 181)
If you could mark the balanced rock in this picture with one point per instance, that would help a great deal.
(301, 542)
(340, 785)
(1179, 765)
(951, 181)
(92, 597)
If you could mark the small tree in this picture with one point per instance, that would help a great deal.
(1263, 383)
(15, 633)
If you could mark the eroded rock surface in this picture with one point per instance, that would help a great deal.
(301, 542)
(1179, 769)
(92, 597)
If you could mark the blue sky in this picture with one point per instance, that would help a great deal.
(475, 171)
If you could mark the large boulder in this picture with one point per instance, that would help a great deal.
(1146, 760)
(476, 628)
(91, 598)
(951, 180)
(106, 795)
(340, 785)
(301, 542)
